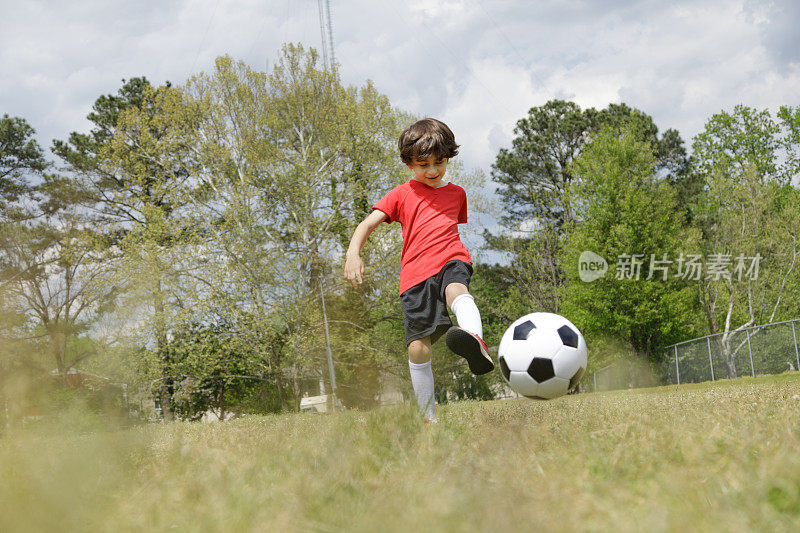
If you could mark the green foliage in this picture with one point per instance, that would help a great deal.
(749, 210)
(80, 151)
(215, 367)
(790, 141)
(291, 161)
(20, 155)
(536, 173)
(621, 210)
(744, 139)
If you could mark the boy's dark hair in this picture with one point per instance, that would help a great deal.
(427, 138)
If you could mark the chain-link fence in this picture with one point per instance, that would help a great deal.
(766, 349)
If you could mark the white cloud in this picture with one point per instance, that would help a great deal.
(478, 66)
(484, 104)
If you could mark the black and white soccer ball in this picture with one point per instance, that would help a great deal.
(542, 355)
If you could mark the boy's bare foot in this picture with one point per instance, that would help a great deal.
(470, 347)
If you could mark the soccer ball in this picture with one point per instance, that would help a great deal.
(542, 356)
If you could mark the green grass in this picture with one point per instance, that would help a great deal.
(721, 456)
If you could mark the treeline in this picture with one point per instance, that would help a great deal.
(694, 245)
(184, 245)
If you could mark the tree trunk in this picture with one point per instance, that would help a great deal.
(221, 401)
(296, 390)
(58, 340)
(166, 388)
(729, 357)
(274, 368)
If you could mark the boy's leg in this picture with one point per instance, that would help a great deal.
(419, 364)
(467, 339)
(461, 302)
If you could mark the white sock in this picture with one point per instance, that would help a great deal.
(467, 314)
(422, 380)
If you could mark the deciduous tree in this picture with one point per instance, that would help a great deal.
(749, 215)
(534, 174)
(127, 173)
(628, 216)
(290, 161)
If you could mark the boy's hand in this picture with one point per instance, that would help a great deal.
(354, 270)
(354, 266)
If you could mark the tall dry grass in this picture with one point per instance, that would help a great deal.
(720, 457)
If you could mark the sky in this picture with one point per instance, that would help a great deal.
(477, 65)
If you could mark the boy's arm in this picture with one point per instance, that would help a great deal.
(354, 265)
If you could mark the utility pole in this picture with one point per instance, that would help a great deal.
(326, 32)
(329, 58)
(331, 371)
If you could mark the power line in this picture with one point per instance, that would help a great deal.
(523, 61)
(203, 41)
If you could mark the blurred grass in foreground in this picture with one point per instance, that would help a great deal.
(722, 456)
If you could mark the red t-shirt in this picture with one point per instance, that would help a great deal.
(429, 217)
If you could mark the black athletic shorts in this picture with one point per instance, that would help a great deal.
(424, 305)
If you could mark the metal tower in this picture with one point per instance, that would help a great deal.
(326, 31)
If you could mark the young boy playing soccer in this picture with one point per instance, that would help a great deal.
(435, 267)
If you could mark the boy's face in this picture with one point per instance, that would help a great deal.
(429, 171)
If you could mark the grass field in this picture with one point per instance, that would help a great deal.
(721, 456)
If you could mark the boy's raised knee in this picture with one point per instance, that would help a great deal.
(453, 291)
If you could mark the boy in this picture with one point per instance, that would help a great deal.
(435, 267)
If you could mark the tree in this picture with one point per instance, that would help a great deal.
(624, 213)
(20, 155)
(535, 173)
(738, 142)
(54, 279)
(128, 171)
(749, 214)
(215, 369)
(48, 270)
(289, 162)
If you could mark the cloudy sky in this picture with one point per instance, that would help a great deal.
(477, 65)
